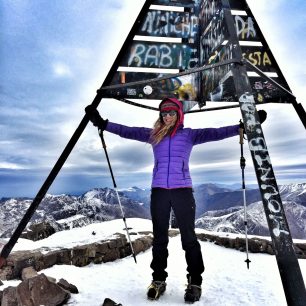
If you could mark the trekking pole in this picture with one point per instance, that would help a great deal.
(115, 187)
(242, 165)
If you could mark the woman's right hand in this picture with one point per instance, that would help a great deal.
(94, 116)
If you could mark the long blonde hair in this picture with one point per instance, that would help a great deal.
(160, 130)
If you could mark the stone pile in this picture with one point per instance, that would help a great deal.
(37, 289)
(255, 244)
(82, 255)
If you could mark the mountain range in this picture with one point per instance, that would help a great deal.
(219, 208)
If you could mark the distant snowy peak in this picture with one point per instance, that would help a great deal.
(102, 195)
(96, 205)
(232, 220)
(218, 208)
(294, 193)
(96, 193)
(90, 196)
(296, 189)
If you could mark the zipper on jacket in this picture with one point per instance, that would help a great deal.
(168, 162)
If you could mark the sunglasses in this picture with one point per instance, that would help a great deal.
(171, 113)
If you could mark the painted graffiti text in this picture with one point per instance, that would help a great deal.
(245, 28)
(172, 24)
(258, 58)
(161, 55)
(263, 167)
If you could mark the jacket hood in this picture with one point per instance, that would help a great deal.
(175, 104)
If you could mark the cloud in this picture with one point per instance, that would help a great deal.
(48, 78)
(6, 165)
(61, 70)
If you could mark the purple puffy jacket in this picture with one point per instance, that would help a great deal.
(171, 155)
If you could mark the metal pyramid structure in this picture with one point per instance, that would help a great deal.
(199, 51)
(171, 36)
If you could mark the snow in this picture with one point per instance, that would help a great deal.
(70, 219)
(83, 235)
(303, 191)
(299, 189)
(226, 280)
(91, 194)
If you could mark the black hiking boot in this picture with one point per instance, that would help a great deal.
(156, 289)
(192, 293)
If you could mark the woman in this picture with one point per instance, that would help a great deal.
(171, 187)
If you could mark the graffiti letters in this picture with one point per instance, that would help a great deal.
(263, 166)
(266, 171)
(171, 24)
(245, 28)
(258, 58)
(266, 91)
(213, 38)
(209, 8)
(280, 225)
(159, 55)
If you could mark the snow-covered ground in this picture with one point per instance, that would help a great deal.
(226, 280)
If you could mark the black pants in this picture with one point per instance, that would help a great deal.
(182, 202)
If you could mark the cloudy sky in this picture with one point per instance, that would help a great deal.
(56, 54)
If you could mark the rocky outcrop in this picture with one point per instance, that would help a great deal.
(38, 231)
(255, 245)
(37, 290)
(98, 252)
(67, 286)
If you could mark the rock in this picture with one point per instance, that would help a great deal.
(19, 260)
(9, 297)
(173, 233)
(6, 273)
(28, 272)
(109, 302)
(51, 279)
(111, 255)
(40, 291)
(80, 256)
(38, 231)
(67, 286)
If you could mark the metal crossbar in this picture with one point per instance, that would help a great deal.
(170, 76)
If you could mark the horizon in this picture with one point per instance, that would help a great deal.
(232, 187)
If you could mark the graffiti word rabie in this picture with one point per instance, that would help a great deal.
(162, 56)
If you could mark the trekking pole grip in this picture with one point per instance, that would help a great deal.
(241, 132)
